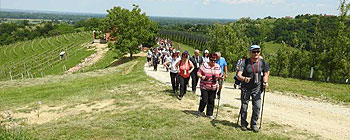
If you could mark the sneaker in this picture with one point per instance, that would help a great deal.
(199, 114)
(211, 117)
(179, 97)
(255, 128)
(244, 128)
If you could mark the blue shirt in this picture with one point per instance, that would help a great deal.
(222, 63)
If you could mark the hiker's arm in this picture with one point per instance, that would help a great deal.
(177, 65)
(242, 78)
(265, 79)
(225, 69)
(166, 64)
(192, 67)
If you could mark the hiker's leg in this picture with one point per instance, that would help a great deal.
(172, 77)
(211, 102)
(256, 102)
(182, 85)
(186, 83)
(245, 95)
(194, 78)
(177, 82)
(203, 100)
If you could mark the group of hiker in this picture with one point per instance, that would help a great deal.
(251, 76)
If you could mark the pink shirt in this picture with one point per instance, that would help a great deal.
(208, 71)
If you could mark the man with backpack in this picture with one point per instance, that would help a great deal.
(253, 82)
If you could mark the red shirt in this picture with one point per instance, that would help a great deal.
(184, 68)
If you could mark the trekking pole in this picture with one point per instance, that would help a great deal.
(240, 110)
(262, 109)
(217, 111)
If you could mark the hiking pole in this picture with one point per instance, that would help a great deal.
(262, 108)
(240, 110)
(217, 111)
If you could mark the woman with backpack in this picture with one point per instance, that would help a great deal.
(173, 71)
(209, 73)
(185, 68)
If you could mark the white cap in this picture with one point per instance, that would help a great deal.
(206, 51)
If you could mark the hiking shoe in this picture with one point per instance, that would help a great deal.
(211, 117)
(200, 114)
(255, 128)
(244, 128)
(179, 97)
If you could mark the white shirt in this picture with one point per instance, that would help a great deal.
(173, 64)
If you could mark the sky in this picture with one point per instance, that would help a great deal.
(224, 9)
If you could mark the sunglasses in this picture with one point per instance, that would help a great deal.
(255, 51)
(212, 60)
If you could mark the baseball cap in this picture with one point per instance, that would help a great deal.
(253, 47)
(206, 51)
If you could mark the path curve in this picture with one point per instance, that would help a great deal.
(324, 119)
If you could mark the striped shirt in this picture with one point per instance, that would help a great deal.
(206, 70)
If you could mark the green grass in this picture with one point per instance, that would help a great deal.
(184, 47)
(108, 58)
(74, 60)
(272, 48)
(143, 108)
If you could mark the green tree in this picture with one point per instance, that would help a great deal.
(130, 28)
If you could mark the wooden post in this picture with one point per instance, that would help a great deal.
(42, 74)
(10, 74)
(94, 66)
(22, 76)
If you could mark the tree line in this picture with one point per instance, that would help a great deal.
(23, 30)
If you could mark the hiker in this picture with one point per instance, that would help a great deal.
(223, 65)
(209, 73)
(149, 56)
(238, 64)
(173, 71)
(205, 56)
(197, 62)
(185, 67)
(155, 59)
(249, 73)
(167, 58)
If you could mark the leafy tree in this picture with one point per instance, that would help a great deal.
(130, 28)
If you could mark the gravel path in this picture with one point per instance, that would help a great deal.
(321, 118)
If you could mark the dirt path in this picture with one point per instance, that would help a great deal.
(101, 49)
(320, 118)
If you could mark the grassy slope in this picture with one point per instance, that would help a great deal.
(135, 116)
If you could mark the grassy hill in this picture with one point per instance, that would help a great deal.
(115, 103)
(29, 59)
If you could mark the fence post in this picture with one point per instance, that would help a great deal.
(64, 68)
(22, 76)
(42, 74)
(10, 74)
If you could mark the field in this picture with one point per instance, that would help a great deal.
(104, 105)
(39, 57)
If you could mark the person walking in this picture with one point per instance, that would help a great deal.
(209, 73)
(206, 56)
(155, 59)
(223, 65)
(197, 62)
(173, 71)
(249, 73)
(185, 67)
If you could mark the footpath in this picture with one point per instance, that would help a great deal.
(321, 118)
